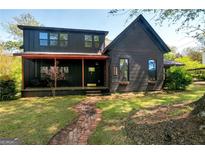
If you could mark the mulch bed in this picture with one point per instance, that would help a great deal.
(173, 124)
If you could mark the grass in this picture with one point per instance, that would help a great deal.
(178, 112)
(35, 120)
(117, 107)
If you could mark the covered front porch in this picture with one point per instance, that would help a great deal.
(64, 73)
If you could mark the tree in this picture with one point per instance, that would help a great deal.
(23, 19)
(172, 55)
(192, 21)
(189, 63)
(11, 45)
(194, 54)
(15, 32)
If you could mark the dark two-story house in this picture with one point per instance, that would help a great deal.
(77, 61)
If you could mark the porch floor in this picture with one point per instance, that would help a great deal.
(66, 88)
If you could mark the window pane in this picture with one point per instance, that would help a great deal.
(115, 72)
(53, 42)
(43, 71)
(88, 44)
(63, 43)
(96, 38)
(91, 69)
(152, 65)
(63, 36)
(43, 42)
(124, 70)
(88, 40)
(53, 36)
(152, 69)
(66, 69)
(43, 35)
(88, 37)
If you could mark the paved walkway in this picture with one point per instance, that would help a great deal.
(79, 131)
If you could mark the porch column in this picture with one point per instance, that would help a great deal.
(55, 80)
(83, 74)
(22, 75)
(106, 73)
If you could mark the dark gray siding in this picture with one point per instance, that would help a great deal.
(136, 45)
(75, 42)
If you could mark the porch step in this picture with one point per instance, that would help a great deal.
(93, 92)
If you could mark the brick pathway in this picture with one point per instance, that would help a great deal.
(79, 131)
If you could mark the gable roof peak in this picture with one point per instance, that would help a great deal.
(148, 29)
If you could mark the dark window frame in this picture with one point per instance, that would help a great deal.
(150, 77)
(91, 41)
(61, 40)
(128, 69)
(57, 39)
(96, 43)
(40, 39)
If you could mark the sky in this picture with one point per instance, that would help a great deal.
(97, 20)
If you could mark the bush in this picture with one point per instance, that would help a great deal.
(7, 89)
(10, 69)
(177, 78)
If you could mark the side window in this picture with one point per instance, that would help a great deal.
(53, 39)
(124, 69)
(63, 39)
(88, 41)
(152, 70)
(43, 39)
(96, 41)
(115, 71)
(43, 72)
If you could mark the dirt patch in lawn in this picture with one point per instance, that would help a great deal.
(173, 124)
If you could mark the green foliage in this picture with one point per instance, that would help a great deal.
(170, 56)
(177, 78)
(7, 89)
(189, 63)
(11, 45)
(198, 74)
(10, 69)
(194, 54)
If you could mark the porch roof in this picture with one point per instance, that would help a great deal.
(169, 63)
(60, 55)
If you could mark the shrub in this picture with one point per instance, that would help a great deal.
(177, 78)
(7, 89)
(10, 69)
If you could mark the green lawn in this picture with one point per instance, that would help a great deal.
(35, 120)
(117, 107)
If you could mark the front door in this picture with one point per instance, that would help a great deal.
(94, 73)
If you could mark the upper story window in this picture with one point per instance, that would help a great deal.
(124, 69)
(96, 41)
(152, 70)
(88, 41)
(53, 39)
(63, 39)
(43, 38)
